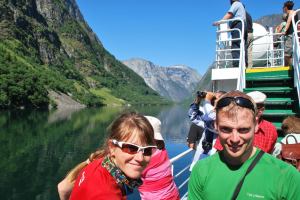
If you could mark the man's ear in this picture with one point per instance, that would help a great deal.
(215, 125)
(256, 124)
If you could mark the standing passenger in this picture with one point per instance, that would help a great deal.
(206, 116)
(236, 10)
(249, 43)
(288, 42)
(227, 174)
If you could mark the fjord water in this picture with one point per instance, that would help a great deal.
(39, 147)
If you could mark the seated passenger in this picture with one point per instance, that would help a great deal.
(290, 126)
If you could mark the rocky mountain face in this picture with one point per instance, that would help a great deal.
(46, 45)
(270, 20)
(174, 82)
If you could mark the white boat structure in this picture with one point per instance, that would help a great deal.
(269, 75)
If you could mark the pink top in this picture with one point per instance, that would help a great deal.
(157, 179)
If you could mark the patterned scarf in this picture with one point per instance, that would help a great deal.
(127, 184)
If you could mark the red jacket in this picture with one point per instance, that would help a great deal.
(95, 183)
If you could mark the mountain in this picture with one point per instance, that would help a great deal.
(270, 20)
(46, 45)
(174, 82)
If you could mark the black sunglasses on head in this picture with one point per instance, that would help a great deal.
(240, 101)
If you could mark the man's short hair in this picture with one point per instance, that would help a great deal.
(232, 107)
(289, 5)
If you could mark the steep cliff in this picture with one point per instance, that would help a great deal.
(174, 82)
(47, 45)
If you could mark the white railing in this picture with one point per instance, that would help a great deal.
(224, 50)
(271, 51)
(296, 54)
(173, 160)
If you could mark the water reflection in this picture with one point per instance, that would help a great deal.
(39, 147)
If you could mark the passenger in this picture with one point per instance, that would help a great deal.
(157, 178)
(207, 115)
(115, 170)
(288, 43)
(281, 27)
(218, 176)
(249, 43)
(194, 135)
(290, 126)
(236, 10)
(279, 39)
(266, 135)
(195, 113)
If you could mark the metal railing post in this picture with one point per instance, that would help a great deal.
(296, 54)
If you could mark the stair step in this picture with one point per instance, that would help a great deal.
(268, 69)
(277, 125)
(279, 101)
(269, 75)
(282, 113)
(268, 78)
(269, 89)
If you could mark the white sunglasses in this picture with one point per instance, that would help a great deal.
(133, 148)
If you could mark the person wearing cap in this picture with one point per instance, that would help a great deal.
(266, 135)
(158, 182)
(227, 174)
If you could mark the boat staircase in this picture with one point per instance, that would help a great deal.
(278, 84)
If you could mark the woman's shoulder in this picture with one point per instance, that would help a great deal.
(93, 176)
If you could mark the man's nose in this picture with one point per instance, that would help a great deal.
(235, 137)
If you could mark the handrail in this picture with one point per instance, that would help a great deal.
(241, 82)
(274, 56)
(296, 54)
(173, 160)
(179, 156)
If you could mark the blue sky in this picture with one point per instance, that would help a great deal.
(165, 32)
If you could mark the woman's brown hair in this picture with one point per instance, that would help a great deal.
(120, 129)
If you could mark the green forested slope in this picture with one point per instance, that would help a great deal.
(47, 45)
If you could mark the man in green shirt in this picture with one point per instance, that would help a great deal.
(217, 177)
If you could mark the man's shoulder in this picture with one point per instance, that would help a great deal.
(276, 164)
(264, 123)
(208, 161)
(237, 4)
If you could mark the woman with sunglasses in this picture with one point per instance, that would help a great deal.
(115, 170)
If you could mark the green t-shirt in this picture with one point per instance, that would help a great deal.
(271, 178)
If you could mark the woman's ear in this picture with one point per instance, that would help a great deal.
(111, 148)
